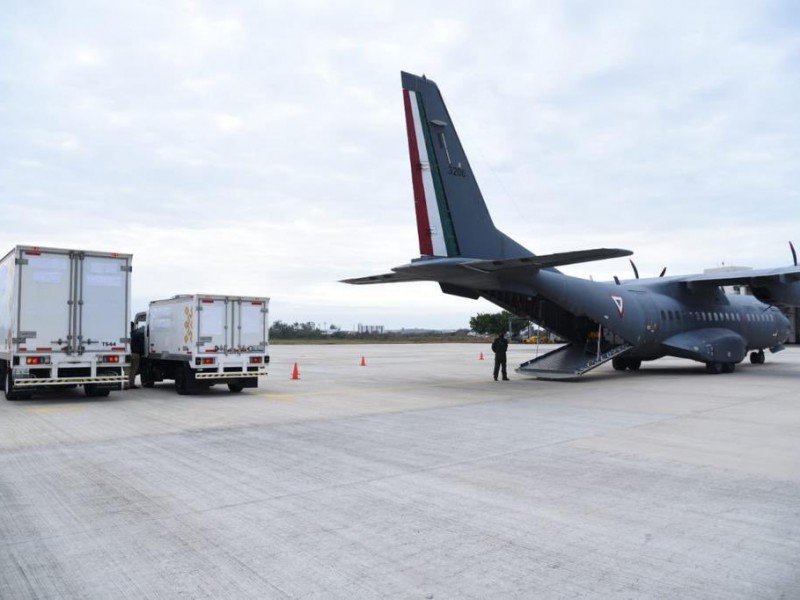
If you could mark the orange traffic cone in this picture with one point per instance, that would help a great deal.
(363, 362)
(295, 372)
(481, 356)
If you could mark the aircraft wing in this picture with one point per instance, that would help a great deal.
(773, 286)
(753, 278)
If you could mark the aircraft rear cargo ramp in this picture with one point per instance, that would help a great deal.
(568, 361)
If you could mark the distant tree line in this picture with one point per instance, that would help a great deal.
(482, 323)
(300, 331)
(280, 330)
(494, 323)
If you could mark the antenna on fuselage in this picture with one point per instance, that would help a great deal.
(794, 253)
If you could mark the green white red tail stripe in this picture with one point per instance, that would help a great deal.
(427, 200)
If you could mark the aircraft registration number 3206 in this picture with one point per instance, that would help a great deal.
(457, 171)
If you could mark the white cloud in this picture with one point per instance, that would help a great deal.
(260, 147)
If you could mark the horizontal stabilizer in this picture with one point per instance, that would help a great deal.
(384, 278)
(438, 269)
(546, 261)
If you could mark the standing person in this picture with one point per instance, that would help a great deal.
(137, 349)
(499, 347)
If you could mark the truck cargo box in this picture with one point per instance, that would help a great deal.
(199, 340)
(64, 319)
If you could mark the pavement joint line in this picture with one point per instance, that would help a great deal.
(366, 390)
(436, 467)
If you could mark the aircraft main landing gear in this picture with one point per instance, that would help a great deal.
(621, 363)
(757, 358)
(718, 367)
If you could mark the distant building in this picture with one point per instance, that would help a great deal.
(370, 328)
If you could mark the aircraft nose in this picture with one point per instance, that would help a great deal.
(785, 326)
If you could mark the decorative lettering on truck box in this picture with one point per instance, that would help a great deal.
(187, 324)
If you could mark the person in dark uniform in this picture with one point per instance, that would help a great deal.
(499, 347)
(137, 349)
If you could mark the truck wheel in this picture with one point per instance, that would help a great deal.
(183, 381)
(9, 384)
(236, 387)
(146, 375)
(91, 391)
(180, 382)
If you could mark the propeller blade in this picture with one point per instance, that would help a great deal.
(664, 270)
(635, 270)
(794, 253)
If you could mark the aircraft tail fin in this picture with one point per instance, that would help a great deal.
(452, 217)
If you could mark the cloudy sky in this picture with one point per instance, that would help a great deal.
(258, 146)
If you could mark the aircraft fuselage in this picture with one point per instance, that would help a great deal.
(651, 315)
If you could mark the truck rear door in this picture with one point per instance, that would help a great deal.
(104, 307)
(46, 287)
(250, 320)
(212, 318)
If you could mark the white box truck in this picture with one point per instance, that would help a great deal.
(199, 340)
(64, 320)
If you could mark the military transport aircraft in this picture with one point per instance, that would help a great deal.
(625, 322)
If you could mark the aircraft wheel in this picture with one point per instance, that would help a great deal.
(713, 367)
(236, 387)
(757, 358)
(728, 367)
(619, 364)
(634, 364)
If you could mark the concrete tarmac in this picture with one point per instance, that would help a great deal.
(415, 476)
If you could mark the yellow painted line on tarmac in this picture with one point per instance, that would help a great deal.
(55, 409)
(277, 396)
